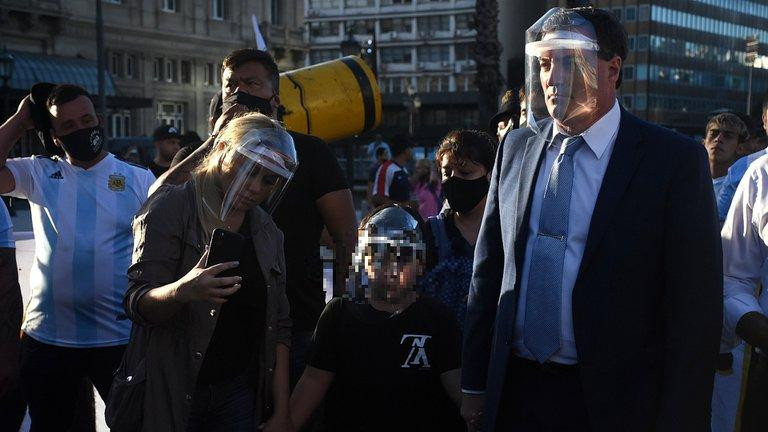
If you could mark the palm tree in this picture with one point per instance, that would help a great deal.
(487, 51)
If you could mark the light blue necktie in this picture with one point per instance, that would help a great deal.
(541, 332)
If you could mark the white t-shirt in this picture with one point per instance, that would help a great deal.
(83, 245)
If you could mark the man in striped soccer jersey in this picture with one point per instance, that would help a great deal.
(82, 206)
(391, 183)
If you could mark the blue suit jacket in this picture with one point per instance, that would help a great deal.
(647, 302)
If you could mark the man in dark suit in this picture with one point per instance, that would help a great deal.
(596, 297)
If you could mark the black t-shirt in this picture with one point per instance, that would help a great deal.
(387, 367)
(156, 169)
(240, 326)
(299, 218)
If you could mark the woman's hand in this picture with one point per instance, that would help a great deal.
(201, 284)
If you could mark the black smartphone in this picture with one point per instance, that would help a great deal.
(225, 246)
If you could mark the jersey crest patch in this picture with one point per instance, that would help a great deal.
(116, 182)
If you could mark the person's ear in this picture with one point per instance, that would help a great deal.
(614, 69)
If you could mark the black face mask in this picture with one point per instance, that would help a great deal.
(84, 144)
(463, 195)
(253, 103)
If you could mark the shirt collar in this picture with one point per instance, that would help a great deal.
(601, 134)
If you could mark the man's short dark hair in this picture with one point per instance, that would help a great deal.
(611, 36)
(237, 58)
(64, 93)
(380, 151)
(399, 144)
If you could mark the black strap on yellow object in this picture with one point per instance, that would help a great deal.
(367, 91)
(301, 101)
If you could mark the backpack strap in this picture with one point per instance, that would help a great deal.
(443, 243)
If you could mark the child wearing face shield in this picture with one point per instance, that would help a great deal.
(209, 352)
(384, 358)
(465, 159)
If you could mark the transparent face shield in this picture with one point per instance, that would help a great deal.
(561, 55)
(258, 172)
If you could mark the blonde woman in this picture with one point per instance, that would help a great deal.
(210, 353)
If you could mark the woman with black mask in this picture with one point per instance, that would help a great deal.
(465, 158)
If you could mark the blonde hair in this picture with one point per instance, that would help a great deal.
(231, 136)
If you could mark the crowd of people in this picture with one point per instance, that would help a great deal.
(581, 270)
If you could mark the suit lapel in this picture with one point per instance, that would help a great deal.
(627, 153)
(534, 149)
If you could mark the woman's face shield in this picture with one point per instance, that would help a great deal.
(258, 172)
(561, 68)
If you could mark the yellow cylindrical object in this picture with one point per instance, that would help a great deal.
(332, 100)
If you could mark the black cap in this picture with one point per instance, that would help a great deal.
(165, 132)
(506, 111)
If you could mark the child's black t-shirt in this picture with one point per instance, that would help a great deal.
(387, 367)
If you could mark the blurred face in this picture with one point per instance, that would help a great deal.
(466, 169)
(252, 78)
(167, 148)
(502, 127)
(392, 271)
(721, 143)
(74, 115)
(256, 186)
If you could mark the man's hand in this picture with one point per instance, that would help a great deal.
(753, 328)
(472, 411)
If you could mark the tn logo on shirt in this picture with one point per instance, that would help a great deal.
(417, 356)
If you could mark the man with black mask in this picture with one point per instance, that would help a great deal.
(317, 197)
(82, 206)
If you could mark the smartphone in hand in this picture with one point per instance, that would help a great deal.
(225, 246)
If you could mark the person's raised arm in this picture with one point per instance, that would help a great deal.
(10, 132)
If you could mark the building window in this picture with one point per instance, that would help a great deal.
(218, 9)
(325, 28)
(168, 6)
(434, 53)
(359, 3)
(631, 13)
(629, 73)
(114, 64)
(208, 74)
(465, 22)
(465, 51)
(402, 25)
(114, 1)
(630, 43)
(324, 4)
(627, 101)
(617, 13)
(641, 102)
(119, 124)
(171, 113)
(171, 71)
(434, 23)
(359, 27)
(323, 55)
(277, 12)
(186, 72)
(644, 14)
(396, 55)
(642, 43)
(395, 2)
(157, 69)
(130, 63)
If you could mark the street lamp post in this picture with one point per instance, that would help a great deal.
(6, 73)
(413, 103)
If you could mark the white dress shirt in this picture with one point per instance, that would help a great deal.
(589, 163)
(745, 248)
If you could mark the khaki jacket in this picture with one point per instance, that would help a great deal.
(154, 386)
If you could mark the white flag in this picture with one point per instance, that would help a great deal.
(260, 44)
